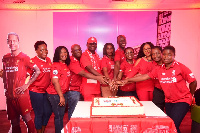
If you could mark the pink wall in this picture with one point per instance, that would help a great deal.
(31, 26)
(105, 26)
(185, 36)
(38, 25)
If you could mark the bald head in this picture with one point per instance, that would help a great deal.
(76, 51)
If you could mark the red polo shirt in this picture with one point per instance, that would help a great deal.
(126, 69)
(61, 71)
(109, 64)
(119, 55)
(76, 79)
(90, 86)
(143, 67)
(173, 82)
(43, 80)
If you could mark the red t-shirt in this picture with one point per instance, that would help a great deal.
(155, 80)
(126, 69)
(61, 71)
(119, 55)
(15, 70)
(109, 64)
(90, 86)
(43, 80)
(143, 67)
(76, 79)
(173, 82)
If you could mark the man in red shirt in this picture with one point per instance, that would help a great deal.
(119, 54)
(73, 94)
(90, 62)
(15, 66)
(158, 94)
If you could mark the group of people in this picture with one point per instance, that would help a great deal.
(153, 76)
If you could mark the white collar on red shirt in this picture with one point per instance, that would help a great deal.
(120, 49)
(172, 65)
(107, 57)
(74, 58)
(156, 64)
(41, 59)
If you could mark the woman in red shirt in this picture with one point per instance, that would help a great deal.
(37, 90)
(60, 76)
(107, 66)
(172, 77)
(144, 65)
(125, 68)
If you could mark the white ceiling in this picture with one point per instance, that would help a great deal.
(99, 4)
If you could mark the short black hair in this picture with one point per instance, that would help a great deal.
(158, 47)
(120, 36)
(39, 43)
(141, 53)
(128, 48)
(105, 46)
(56, 56)
(169, 47)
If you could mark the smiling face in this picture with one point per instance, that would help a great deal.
(156, 54)
(109, 50)
(42, 51)
(92, 47)
(168, 57)
(129, 53)
(121, 41)
(63, 55)
(147, 50)
(13, 42)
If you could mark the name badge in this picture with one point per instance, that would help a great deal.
(92, 81)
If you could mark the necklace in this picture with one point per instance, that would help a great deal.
(149, 60)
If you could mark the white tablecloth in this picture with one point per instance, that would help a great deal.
(82, 110)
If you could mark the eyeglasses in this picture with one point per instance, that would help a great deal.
(92, 43)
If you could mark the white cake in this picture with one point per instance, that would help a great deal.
(117, 107)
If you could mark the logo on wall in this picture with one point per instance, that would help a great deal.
(163, 28)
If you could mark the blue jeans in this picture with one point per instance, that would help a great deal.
(177, 111)
(59, 111)
(41, 107)
(72, 99)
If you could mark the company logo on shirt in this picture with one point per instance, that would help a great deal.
(168, 80)
(46, 70)
(17, 62)
(55, 72)
(173, 73)
(68, 74)
(12, 69)
(191, 75)
(31, 61)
